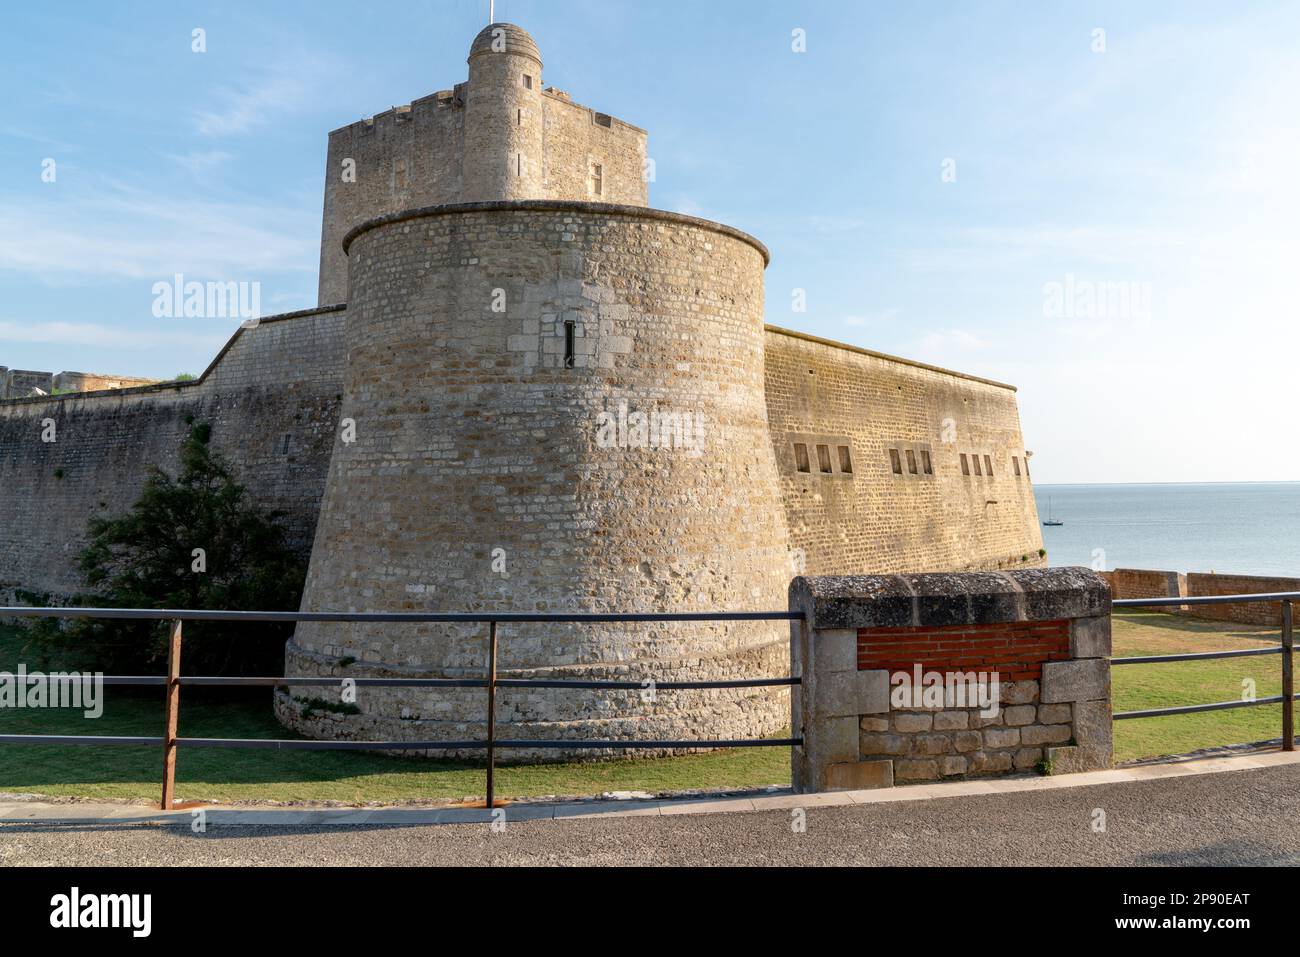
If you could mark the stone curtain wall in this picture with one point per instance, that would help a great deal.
(272, 399)
(479, 480)
(1145, 583)
(824, 393)
(1046, 632)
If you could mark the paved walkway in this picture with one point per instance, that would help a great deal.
(1237, 810)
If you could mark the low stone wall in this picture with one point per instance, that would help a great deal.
(1253, 613)
(921, 677)
(1146, 583)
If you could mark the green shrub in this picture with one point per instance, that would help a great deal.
(145, 559)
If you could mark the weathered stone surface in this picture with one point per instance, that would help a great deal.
(952, 765)
(859, 775)
(1018, 692)
(1085, 679)
(910, 723)
(924, 769)
(978, 720)
(1019, 714)
(1090, 637)
(990, 761)
(931, 744)
(1075, 759)
(1001, 737)
(874, 724)
(833, 651)
(1045, 734)
(951, 720)
(967, 741)
(1055, 714)
(873, 743)
(1027, 758)
(852, 693)
(1092, 732)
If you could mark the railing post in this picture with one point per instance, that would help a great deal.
(173, 712)
(491, 712)
(1288, 680)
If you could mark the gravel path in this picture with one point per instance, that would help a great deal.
(1240, 817)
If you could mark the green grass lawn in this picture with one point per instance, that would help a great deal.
(353, 777)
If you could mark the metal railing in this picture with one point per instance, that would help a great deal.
(174, 680)
(1286, 650)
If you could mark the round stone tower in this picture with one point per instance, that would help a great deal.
(503, 117)
(558, 406)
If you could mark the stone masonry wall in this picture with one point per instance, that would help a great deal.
(876, 407)
(1045, 633)
(272, 399)
(480, 479)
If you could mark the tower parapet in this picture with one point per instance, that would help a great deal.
(500, 135)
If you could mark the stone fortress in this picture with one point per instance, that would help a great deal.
(524, 389)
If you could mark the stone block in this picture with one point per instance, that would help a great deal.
(952, 765)
(990, 761)
(837, 739)
(859, 775)
(872, 743)
(1085, 679)
(1045, 734)
(932, 744)
(874, 724)
(1090, 637)
(1001, 737)
(833, 650)
(1018, 692)
(912, 723)
(1074, 759)
(978, 720)
(967, 741)
(1020, 714)
(1055, 714)
(851, 693)
(951, 721)
(926, 769)
(1027, 758)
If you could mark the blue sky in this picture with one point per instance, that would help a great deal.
(1165, 161)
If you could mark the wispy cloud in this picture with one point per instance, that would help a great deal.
(95, 334)
(199, 162)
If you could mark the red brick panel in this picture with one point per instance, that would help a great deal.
(1014, 649)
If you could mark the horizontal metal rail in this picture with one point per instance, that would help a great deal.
(1194, 708)
(173, 681)
(413, 617)
(1196, 656)
(1206, 600)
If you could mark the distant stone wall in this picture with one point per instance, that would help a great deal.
(864, 641)
(1254, 613)
(19, 383)
(1145, 583)
(271, 397)
(96, 382)
(909, 495)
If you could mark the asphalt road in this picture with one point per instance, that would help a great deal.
(1240, 817)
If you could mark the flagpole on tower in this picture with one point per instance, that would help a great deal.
(492, 12)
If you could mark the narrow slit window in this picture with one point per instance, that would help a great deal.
(911, 462)
(284, 449)
(569, 332)
(801, 457)
(597, 179)
(1015, 463)
(519, 164)
(519, 117)
(528, 82)
(846, 461)
(1027, 475)
(988, 466)
(976, 459)
(965, 465)
(824, 458)
(926, 465)
(895, 462)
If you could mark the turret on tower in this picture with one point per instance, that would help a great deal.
(501, 135)
(503, 156)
